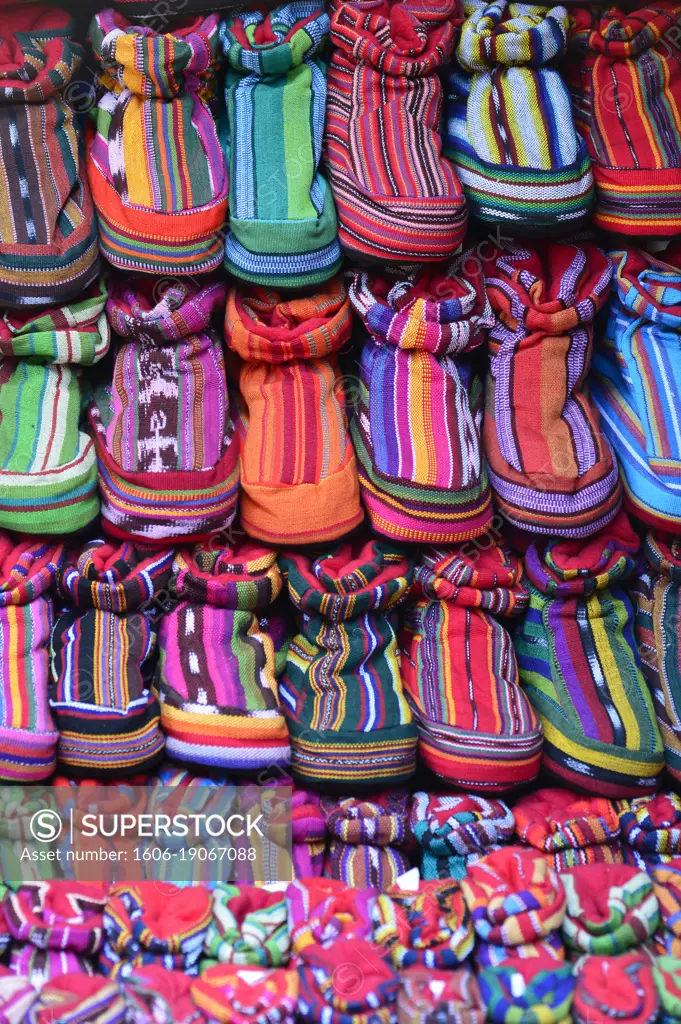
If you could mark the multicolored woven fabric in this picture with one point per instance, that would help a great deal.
(657, 594)
(247, 995)
(366, 835)
(28, 737)
(48, 469)
(308, 832)
(611, 908)
(397, 201)
(550, 468)
(323, 910)
(351, 982)
(667, 975)
(625, 76)
(666, 881)
(363, 865)
(165, 437)
(476, 727)
(40, 966)
(57, 915)
(78, 1000)
(510, 131)
(249, 928)
(17, 995)
(48, 231)
(102, 660)
(651, 828)
(615, 987)
(349, 720)
(569, 828)
(282, 218)
(217, 672)
(635, 376)
(455, 831)
(146, 924)
(580, 666)
(417, 420)
(431, 927)
(298, 472)
(157, 170)
(155, 995)
(428, 995)
(528, 992)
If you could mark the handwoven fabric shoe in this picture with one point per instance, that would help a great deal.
(28, 737)
(246, 995)
(510, 131)
(580, 666)
(48, 230)
(431, 927)
(551, 470)
(76, 999)
(418, 416)
(165, 438)
(146, 924)
(217, 674)
(322, 911)
(477, 729)
(630, 120)
(529, 991)
(397, 202)
(651, 828)
(618, 988)
(249, 928)
(48, 468)
(157, 996)
(611, 908)
(366, 836)
(569, 828)
(635, 376)
(349, 720)
(103, 647)
(428, 995)
(657, 594)
(299, 480)
(455, 831)
(350, 982)
(282, 218)
(157, 170)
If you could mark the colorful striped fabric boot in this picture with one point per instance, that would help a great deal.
(397, 198)
(417, 422)
(580, 666)
(658, 631)
(551, 469)
(157, 170)
(166, 443)
(298, 470)
(217, 672)
(569, 828)
(634, 382)
(103, 647)
(28, 737)
(282, 218)
(48, 467)
(510, 131)
(368, 837)
(624, 71)
(48, 231)
(476, 727)
(455, 831)
(348, 716)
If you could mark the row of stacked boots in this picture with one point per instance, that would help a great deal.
(551, 117)
(513, 941)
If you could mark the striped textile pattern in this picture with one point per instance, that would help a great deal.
(57, 915)
(611, 908)
(550, 468)
(544, 997)
(580, 666)
(657, 594)
(666, 881)
(282, 220)
(366, 836)
(299, 480)
(41, 966)
(397, 198)
(651, 828)
(635, 376)
(322, 910)
(624, 73)
(365, 865)
(351, 981)
(102, 659)
(308, 834)
(157, 171)
(154, 994)
(454, 997)
(48, 230)
(668, 983)
(217, 671)
(476, 726)
(431, 927)
(341, 690)
(455, 831)
(510, 131)
(240, 995)
(615, 987)
(249, 928)
(28, 737)
(164, 434)
(418, 418)
(78, 1000)
(569, 828)
(48, 467)
(17, 995)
